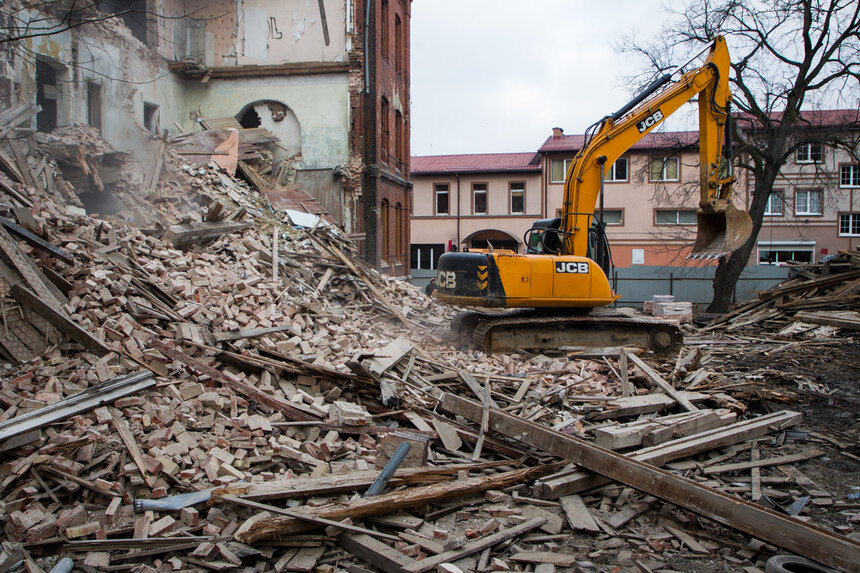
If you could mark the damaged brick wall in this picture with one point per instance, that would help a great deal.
(385, 109)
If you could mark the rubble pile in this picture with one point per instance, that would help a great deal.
(222, 392)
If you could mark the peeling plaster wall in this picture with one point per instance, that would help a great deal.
(320, 104)
(107, 55)
(276, 32)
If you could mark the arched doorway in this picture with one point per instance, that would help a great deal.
(279, 119)
(485, 237)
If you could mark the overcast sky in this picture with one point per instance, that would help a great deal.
(494, 76)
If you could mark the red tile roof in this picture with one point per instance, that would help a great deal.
(811, 118)
(653, 140)
(476, 163)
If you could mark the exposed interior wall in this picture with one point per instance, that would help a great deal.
(325, 187)
(319, 104)
(278, 32)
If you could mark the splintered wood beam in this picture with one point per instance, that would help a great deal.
(275, 527)
(794, 535)
(59, 319)
(127, 437)
(339, 483)
(313, 519)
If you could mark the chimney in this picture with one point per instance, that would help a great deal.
(557, 132)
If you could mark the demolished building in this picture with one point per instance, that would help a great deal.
(328, 81)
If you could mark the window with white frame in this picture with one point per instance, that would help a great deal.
(675, 217)
(518, 198)
(612, 216)
(664, 168)
(617, 171)
(781, 252)
(807, 202)
(426, 256)
(849, 224)
(810, 153)
(558, 170)
(849, 175)
(774, 204)
(479, 198)
(441, 190)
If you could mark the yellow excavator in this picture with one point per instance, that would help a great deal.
(562, 277)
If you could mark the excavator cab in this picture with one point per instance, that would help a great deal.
(543, 238)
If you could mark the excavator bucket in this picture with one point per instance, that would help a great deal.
(721, 230)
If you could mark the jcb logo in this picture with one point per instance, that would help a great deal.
(649, 121)
(565, 267)
(447, 279)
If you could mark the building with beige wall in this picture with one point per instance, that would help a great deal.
(464, 201)
(650, 197)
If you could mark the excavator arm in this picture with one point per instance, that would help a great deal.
(721, 227)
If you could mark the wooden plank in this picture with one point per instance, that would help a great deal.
(314, 519)
(829, 319)
(578, 516)
(662, 429)
(448, 434)
(644, 404)
(553, 557)
(755, 473)
(658, 380)
(687, 540)
(37, 242)
(275, 527)
(375, 552)
(476, 454)
(475, 387)
(777, 461)
(388, 356)
(184, 235)
(59, 319)
(340, 483)
(626, 387)
(31, 273)
(249, 333)
(802, 538)
(131, 445)
(430, 563)
(676, 449)
(425, 543)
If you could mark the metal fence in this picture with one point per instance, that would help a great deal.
(690, 284)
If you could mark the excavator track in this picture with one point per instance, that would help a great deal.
(536, 331)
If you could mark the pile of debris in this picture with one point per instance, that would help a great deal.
(223, 392)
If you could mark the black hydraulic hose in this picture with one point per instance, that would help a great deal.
(653, 87)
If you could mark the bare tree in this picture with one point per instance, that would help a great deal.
(788, 56)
